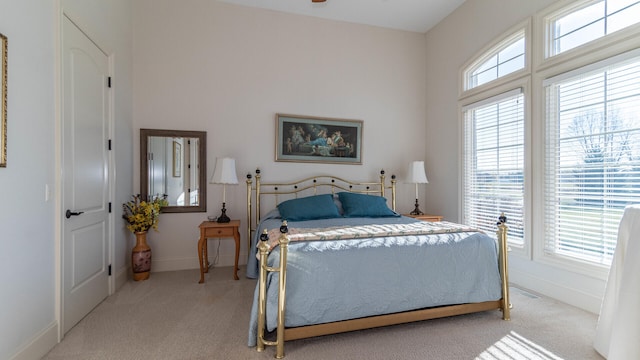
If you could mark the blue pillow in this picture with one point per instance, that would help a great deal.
(309, 208)
(363, 205)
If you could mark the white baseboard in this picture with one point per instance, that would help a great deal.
(41, 344)
(174, 264)
(567, 294)
(122, 276)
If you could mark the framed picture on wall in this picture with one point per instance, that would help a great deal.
(177, 159)
(317, 139)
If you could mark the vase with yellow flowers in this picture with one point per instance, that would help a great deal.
(142, 215)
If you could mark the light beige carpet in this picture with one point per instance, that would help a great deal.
(171, 316)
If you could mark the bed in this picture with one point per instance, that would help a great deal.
(347, 261)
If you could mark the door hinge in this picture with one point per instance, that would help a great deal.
(109, 269)
(109, 81)
(109, 144)
(109, 208)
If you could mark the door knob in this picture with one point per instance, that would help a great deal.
(70, 213)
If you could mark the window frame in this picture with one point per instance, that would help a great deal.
(499, 87)
(531, 79)
(492, 49)
(615, 42)
(519, 79)
(578, 58)
(577, 66)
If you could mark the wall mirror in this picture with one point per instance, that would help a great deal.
(3, 101)
(174, 163)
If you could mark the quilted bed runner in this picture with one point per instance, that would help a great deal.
(367, 231)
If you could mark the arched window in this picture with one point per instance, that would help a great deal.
(494, 110)
(503, 59)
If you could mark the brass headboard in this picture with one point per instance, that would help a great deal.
(322, 184)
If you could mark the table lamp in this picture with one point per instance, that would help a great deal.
(417, 176)
(224, 173)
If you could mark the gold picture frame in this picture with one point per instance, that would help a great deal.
(317, 139)
(3, 101)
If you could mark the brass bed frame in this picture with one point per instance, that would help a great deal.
(313, 185)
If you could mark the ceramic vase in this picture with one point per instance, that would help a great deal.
(141, 257)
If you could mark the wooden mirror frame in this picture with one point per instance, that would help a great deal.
(202, 165)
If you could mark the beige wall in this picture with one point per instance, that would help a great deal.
(227, 70)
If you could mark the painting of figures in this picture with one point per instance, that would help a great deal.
(316, 139)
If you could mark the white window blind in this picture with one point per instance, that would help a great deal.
(592, 164)
(571, 27)
(505, 58)
(494, 163)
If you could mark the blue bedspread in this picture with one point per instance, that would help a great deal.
(345, 279)
(273, 221)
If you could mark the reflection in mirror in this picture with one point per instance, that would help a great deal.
(174, 164)
(3, 101)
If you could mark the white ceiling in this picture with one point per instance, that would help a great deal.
(410, 15)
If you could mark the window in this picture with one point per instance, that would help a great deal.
(494, 163)
(572, 27)
(564, 177)
(504, 59)
(592, 157)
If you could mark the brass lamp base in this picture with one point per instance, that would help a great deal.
(223, 218)
(416, 211)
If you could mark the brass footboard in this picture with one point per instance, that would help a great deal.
(503, 266)
(364, 323)
(263, 247)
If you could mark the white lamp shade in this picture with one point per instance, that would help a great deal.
(225, 172)
(416, 173)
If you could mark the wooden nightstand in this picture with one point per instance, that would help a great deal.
(425, 217)
(212, 229)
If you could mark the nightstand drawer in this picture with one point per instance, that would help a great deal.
(219, 232)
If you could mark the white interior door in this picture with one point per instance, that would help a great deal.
(85, 175)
